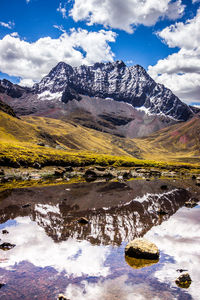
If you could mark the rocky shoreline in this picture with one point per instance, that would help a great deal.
(93, 173)
(20, 177)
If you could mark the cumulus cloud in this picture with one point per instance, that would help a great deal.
(32, 61)
(8, 25)
(181, 71)
(35, 246)
(125, 14)
(62, 10)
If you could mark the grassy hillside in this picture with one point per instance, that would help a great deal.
(180, 142)
(50, 141)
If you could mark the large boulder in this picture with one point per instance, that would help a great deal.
(142, 248)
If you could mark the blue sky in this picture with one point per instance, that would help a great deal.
(36, 34)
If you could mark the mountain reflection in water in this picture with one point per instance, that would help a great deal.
(55, 254)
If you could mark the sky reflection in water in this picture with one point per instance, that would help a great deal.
(96, 269)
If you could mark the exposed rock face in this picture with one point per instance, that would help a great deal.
(142, 249)
(12, 90)
(112, 80)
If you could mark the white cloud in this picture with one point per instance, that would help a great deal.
(129, 62)
(32, 61)
(125, 14)
(59, 27)
(15, 34)
(181, 71)
(36, 247)
(62, 10)
(179, 239)
(26, 82)
(8, 25)
(117, 288)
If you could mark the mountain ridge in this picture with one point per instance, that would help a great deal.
(132, 85)
(108, 97)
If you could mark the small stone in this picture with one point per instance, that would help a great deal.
(1, 285)
(41, 144)
(62, 297)
(6, 246)
(184, 280)
(198, 181)
(37, 165)
(2, 172)
(181, 270)
(99, 168)
(4, 231)
(190, 204)
(83, 220)
(142, 248)
(69, 169)
(26, 205)
(161, 212)
(90, 175)
(164, 187)
(59, 172)
(59, 179)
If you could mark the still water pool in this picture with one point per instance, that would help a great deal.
(55, 254)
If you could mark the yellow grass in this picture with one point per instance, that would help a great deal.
(82, 146)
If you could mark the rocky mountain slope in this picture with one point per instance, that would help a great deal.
(112, 80)
(108, 97)
(12, 90)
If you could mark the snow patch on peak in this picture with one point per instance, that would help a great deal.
(144, 109)
(46, 95)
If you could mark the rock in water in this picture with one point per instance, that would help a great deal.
(62, 297)
(137, 263)
(7, 246)
(142, 248)
(83, 220)
(184, 281)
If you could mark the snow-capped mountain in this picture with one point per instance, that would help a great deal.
(108, 97)
(112, 80)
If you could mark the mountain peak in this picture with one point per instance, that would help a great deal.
(114, 80)
(120, 63)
